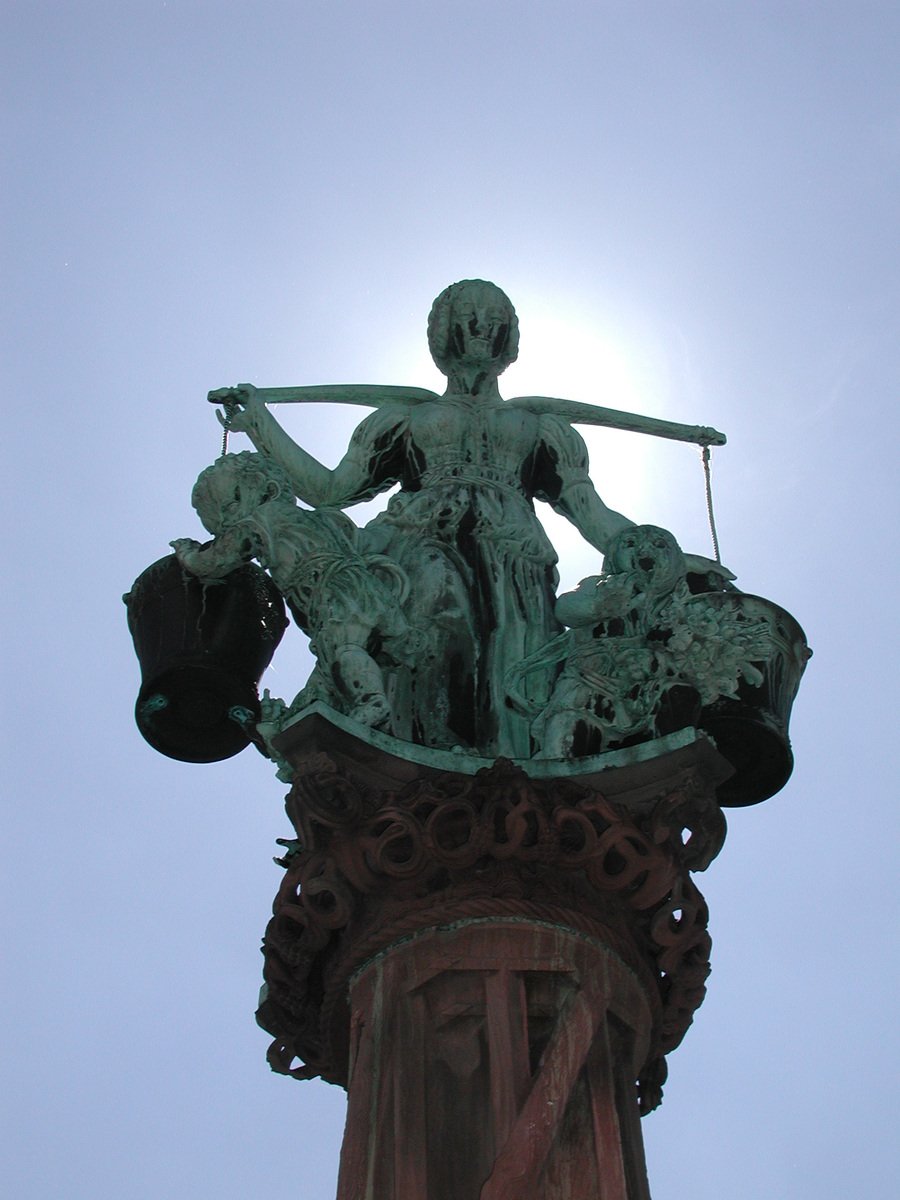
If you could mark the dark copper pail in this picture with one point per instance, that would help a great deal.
(203, 648)
(751, 729)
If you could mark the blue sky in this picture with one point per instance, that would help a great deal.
(693, 207)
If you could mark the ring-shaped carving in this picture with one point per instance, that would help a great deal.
(576, 836)
(629, 863)
(620, 858)
(675, 921)
(455, 835)
(393, 846)
(330, 798)
(325, 895)
(289, 890)
(528, 836)
(280, 1057)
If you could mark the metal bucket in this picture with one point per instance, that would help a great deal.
(751, 730)
(203, 648)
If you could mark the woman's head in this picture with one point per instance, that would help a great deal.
(473, 323)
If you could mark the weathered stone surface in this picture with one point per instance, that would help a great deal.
(487, 928)
(498, 1060)
(374, 863)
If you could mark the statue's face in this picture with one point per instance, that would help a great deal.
(649, 553)
(479, 327)
(228, 499)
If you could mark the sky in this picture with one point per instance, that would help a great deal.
(693, 207)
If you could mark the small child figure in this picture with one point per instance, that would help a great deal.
(643, 654)
(615, 668)
(346, 600)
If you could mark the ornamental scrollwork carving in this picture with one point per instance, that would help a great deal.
(454, 838)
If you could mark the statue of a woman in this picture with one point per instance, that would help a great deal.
(462, 526)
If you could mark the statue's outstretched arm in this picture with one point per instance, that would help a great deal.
(567, 485)
(597, 524)
(580, 606)
(313, 482)
(224, 554)
(568, 488)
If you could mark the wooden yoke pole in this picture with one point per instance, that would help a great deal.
(373, 395)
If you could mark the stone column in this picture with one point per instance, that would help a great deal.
(494, 966)
(496, 1060)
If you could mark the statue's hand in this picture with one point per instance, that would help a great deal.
(718, 575)
(241, 405)
(614, 595)
(185, 549)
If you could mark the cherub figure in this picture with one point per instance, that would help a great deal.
(615, 664)
(642, 653)
(348, 601)
(642, 569)
(462, 524)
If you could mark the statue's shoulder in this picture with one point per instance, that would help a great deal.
(564, 443)
(392, 416)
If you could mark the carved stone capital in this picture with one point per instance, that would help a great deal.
(374, 864)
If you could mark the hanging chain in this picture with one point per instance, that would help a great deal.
(226, 425)
(705, 454)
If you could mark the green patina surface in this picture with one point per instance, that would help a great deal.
(438, 623)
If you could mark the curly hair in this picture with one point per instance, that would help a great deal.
(250, 468)
(439, 320)
(649, 550)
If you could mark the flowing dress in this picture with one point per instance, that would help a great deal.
(482, 571)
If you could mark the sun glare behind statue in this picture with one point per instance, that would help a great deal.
(585, 357)
(573, 358)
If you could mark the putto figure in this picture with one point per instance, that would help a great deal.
(547, 899)
(642, 654)
(345, 598)
(462, 527)
(438, 623)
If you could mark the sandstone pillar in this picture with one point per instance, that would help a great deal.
(493, 965)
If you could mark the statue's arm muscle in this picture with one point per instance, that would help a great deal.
(564, 482)
(224, 554)
(363, 472)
